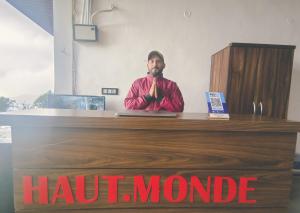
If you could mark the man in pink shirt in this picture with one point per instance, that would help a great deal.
(154, 92)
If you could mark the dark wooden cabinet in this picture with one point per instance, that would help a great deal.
(255, 78)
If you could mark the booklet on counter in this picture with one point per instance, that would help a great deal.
(217, 107)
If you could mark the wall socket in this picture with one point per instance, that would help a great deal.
(110, 91)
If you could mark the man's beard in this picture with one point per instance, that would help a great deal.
(155, 72)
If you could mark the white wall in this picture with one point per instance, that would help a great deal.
(139, 26)
(62, 24)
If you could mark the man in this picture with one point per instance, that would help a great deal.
(154, 92)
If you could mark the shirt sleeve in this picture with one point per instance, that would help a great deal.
(133, 100)
(173, 103)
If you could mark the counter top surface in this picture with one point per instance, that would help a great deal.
(108, 120)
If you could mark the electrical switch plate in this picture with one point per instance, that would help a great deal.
(110, 91)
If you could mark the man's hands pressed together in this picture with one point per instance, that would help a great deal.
(154, 93)
(153, 89)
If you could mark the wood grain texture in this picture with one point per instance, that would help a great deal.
(171, 210)
(258, 73)
(107, 120)
(101, 148)
(219, 71)
(255, 45)
(68, 143)
(242, 80)
(274, 81)
(272, 187)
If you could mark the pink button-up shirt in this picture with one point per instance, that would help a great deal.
(171, 101)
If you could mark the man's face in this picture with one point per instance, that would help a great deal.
(155, 66)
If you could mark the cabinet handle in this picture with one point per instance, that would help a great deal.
(254, 108)
(261, 108)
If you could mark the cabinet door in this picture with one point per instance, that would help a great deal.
(273, 81)
(243, 79)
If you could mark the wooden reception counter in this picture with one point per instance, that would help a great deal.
(60, 146)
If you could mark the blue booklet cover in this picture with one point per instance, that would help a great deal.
(216, 103)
